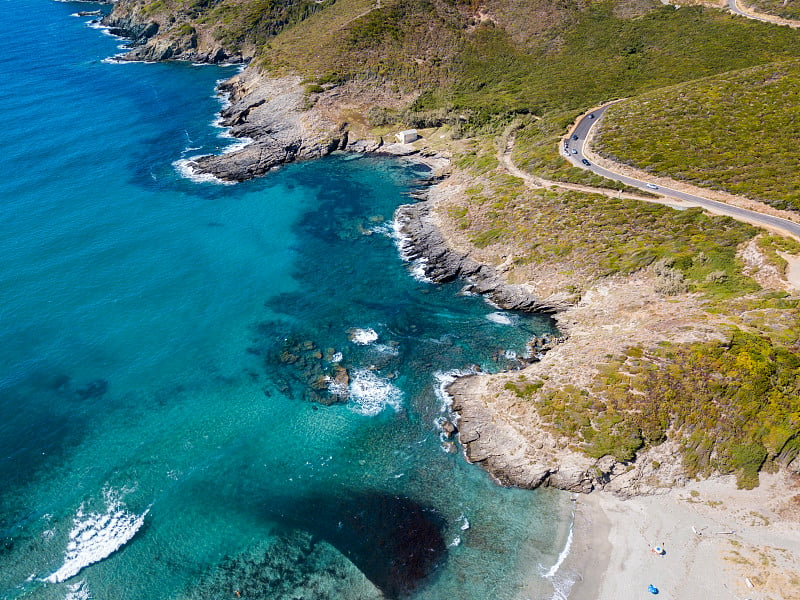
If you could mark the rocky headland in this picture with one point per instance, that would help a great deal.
(284, 119)
(156, 36)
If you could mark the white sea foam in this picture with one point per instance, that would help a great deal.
(240, 144)
(95, 536)
(118, 60)
(562, 555)
(225, 133)
(96, 24)
(185, 169)
(444, 379)
(406, 248)
(500, 318)
(384, 229)
(456, 542)
(78, 591)
(362, 337)
(371, 394)
(464, 523)
(387, 349)
(337, 388)
(562, 585)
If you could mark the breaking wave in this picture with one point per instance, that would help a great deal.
(406, 249)
(96, 536)
(185, 169)
(500, 318)
(363, 337)
(371, 394)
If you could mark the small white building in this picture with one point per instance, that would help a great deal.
(407, 136)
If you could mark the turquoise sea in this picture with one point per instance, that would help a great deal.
(170, 352)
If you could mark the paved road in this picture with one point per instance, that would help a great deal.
(740, 214)
(733, 6)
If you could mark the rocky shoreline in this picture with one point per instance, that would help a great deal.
(154, 39)
(283, 122)
(423, 241)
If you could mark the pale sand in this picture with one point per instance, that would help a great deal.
(793, 270)
(613, 540)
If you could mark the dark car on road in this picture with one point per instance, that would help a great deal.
(586, 162)
(574, 137)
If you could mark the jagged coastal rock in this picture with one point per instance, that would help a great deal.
(153, 37)
(423, 241)
(530, 456)
(269, 111)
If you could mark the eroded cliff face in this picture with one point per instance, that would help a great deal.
(271, 113)
(506, 437)
(158, 32)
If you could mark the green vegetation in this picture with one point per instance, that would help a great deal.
(407, 42)
(733, 405)
(736, 132)
(603, 56)
(579, 56)
(234, 23)
(256, 21)
(489, 75)
(771, 245)
(596, 236)
(537, 149)
(788, 9)
(535, 65)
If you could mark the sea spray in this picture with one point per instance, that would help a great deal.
(501, 318)
(96, 536)
(362, 337)
(405, 247)
(370, 394)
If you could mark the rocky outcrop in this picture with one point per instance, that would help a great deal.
(507, 454)
(271, 113)
(530, 456)
(422, 241)
(283, 126)
(155, 36)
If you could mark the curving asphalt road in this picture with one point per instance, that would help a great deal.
(590, 119)
(733, 6)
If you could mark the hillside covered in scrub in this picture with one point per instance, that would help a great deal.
(682, 329)
(736, 132)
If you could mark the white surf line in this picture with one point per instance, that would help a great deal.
(564, 551)
(96, 536)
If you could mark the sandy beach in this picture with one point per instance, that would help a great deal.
(719, 543)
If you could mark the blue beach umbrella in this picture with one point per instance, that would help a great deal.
(652, 589)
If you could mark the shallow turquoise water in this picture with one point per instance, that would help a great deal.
(163, 348)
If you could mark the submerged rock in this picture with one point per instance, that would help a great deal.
(93, 389)
(396, 542)
(290, 566)
(301, 368)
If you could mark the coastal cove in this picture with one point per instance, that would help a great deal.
(216, 388)
(257, 348)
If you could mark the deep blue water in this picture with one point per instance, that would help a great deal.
(164, 349)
